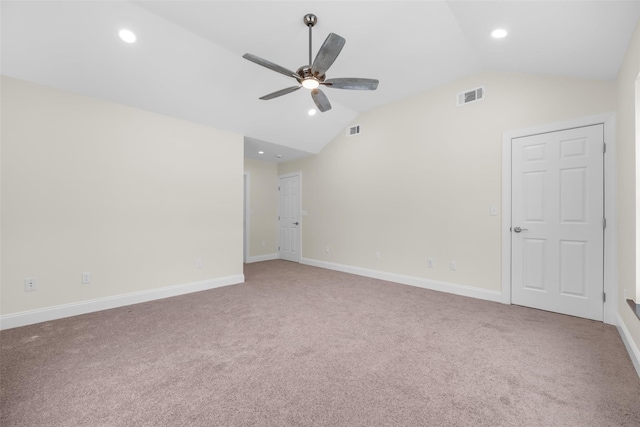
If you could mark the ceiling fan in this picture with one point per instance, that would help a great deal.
(313, 75)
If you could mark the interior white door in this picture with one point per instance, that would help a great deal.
(289, 218)
(557, 237)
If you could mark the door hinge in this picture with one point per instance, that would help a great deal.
(604, 147)
(604, 297)
(604, 223)
(278, 188)
(278, 217)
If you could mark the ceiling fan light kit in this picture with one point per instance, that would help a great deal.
(312, 76)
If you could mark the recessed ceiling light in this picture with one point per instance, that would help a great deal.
(127, 36)
(499, 33)
(311, 112)
(260, 152)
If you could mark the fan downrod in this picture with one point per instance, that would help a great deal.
(310, 19)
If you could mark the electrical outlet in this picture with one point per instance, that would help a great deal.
(453, 265)
(86, 277)
(264, 243)
(199, 263)
(30, 284)
(378, 256)
(430, 262)
(327, 250)
(493, 211)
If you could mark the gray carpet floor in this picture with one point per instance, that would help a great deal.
(302, 346)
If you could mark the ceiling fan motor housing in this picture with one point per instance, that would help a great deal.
(307, 73)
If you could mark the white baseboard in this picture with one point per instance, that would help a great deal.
(67, 310)
(452, 288)
(632, 348)
(260, 258)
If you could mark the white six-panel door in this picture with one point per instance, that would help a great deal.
(289, 218)
(557, 221)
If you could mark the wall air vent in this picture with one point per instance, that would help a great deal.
(353, 130)
(472, 95)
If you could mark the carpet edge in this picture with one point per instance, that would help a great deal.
(260, 258)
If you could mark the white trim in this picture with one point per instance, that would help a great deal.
(635, 295)
(260, 258)
(610, 272)
(506, 218)
(451, 288)
(67, 310)
(247, 215)
(289, 175)
(611, 232)
(632, 348)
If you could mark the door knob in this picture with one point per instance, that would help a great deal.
(296, 223)
(518, 229)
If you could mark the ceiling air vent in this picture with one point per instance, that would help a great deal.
(472, 95)
(353, 130)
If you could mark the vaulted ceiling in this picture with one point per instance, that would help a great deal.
(187, 60)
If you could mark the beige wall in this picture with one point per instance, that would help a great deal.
(130, 196)
(263, 208)
(626, 208)
(420, 179)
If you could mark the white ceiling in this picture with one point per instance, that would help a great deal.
(187, 62)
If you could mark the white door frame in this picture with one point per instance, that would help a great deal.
(247, 216)
(289, 175)
(610, 258)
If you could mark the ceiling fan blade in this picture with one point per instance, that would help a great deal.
(328, 53)
(321, 100)
(280, 92)
(352, 83)
(270, 65)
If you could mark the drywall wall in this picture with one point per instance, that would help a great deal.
(132, 197)
(627, 185)
(263, 209)
(420, 180)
